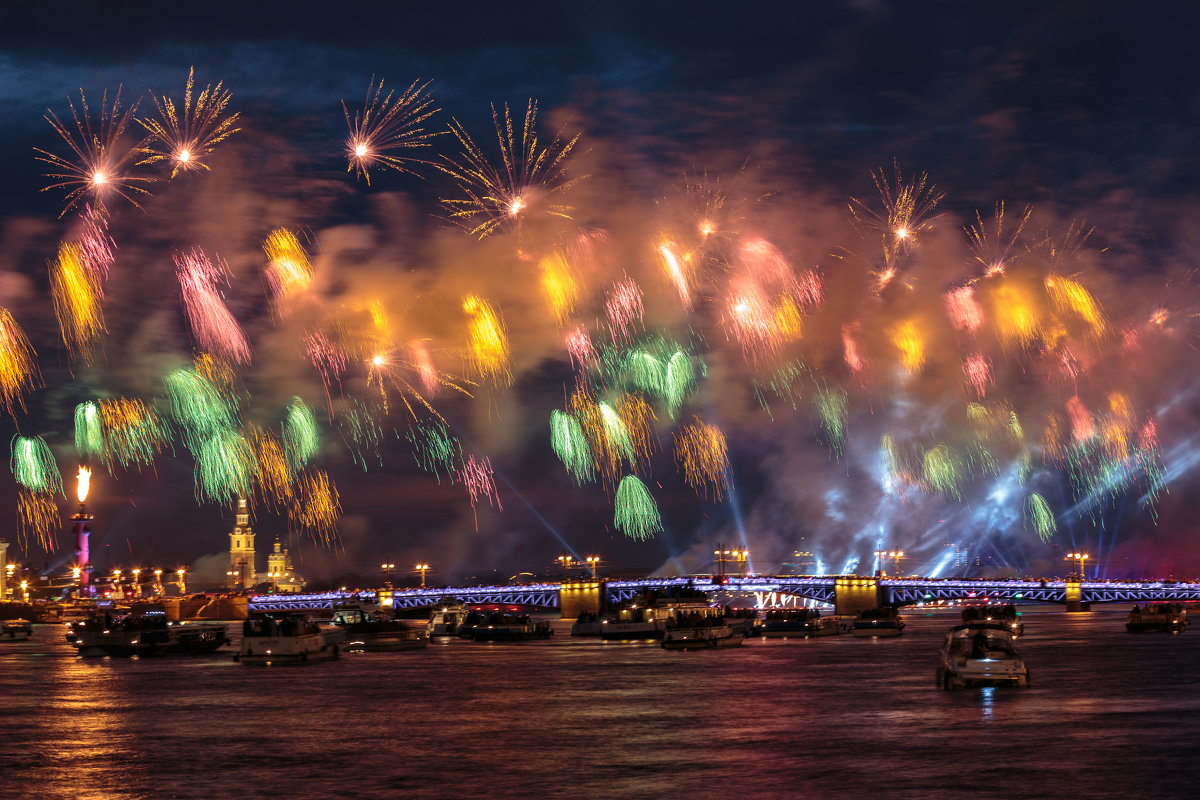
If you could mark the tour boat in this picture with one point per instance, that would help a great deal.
(145, 634)
(15, 630)
(650, 620)
(702, 637)
(799, 622)
(883, 621)
(980, 653)
(497, 626)
(372, 632)
(1158, 618)
(283, 638)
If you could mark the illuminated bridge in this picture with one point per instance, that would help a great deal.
(845, 592)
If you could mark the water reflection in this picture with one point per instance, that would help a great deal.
(987, 707)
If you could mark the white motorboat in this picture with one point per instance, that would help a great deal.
(980, 654)
(274, 639)
(15, 630)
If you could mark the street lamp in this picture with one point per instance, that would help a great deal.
(1078, 558)
(8, 589)
(137, 586)
(387, 568)
(881, 555)
(158, 589)
(274, 576)
(593, 563)
(25, 590)
(422, 567)
(179, 579)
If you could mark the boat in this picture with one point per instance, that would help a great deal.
(648, 617)
(742, 620)
(446, 621)
(1006, 614)
(368, 631)
(145, 634)
(499, 626)
(980, 654)
(283, 638)
(799, 622)
(15, 630)
(1158, 618)
(704, 636)
(884, 621)
(587, 624)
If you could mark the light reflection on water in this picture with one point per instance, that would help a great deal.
(589, 719)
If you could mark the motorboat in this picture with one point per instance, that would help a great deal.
(701, 637)
(650, 620)
(283, 638)
(980, 654)
(446, 620)
(884, 621)
(145, 634)
(1158, 618)
(1005, 614)
(15, 630)
(371, 631)
(587, 624)
(799, 622)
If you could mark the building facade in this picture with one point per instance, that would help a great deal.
(241, 573)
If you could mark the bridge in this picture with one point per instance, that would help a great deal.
(847, 593)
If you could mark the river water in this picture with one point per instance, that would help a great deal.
(1108, 714)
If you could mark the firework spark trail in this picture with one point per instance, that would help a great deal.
(361, 432)
(388, 123)
(480, 481)
(77, 296)
(703, 456)
(96, 244)
(225, 467)
(185, 138)
(559, 286)
(327, 360)
(582, 352)
(18, 365)
(963, 309)
(907, 210)
(288, 269)
(635, 512)
(273, 474)
(435, 449)
(487, 342)
(198, 406)
(531, 175)
(131, 432)
(89, 430)
(1038, 510)
(38, 520)
(101, 154)
(33, 465)
(394, 369)
(301, 437)
(622, 308)
(638, 422)
(570, 444)
(213, 326)
(317, 507)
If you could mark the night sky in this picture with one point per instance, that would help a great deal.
(764, 120)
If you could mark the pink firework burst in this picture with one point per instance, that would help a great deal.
(480, 481)
(213, 326)
(622, 308)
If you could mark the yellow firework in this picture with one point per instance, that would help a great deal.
(133, 433)
(526, 183)
(38, 519)
(907, 211)
(274, 479)
(185, 136)
(317, 507)
(76, 294)
(992, 245)
(909, 340)
(487, 342)
(638, 419)
(288, 269)
(560, 287)
(1070, 295)
(410, 373)
(18, 369)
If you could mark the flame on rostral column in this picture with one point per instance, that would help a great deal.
(85, 478)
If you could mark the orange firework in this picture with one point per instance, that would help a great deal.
(403, 368)
(101, 154)
(702, 454)
(38, 519)
(273, 481)
(388, 123)
(560, 286)
(317, 507)
(185, 139)
(907, 209)
(18, 369)
(908, 338)
(991, 248)
(133, 433)
(77, 296)
(1070, 295)
(638, 418)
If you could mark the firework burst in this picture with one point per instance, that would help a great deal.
(185, 137)
(18, 366)
(101, 154)
(527, 183)
(387, 128)
(213, 326)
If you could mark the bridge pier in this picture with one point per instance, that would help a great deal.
(577, 598)
(1073, 594)
(852, 594)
